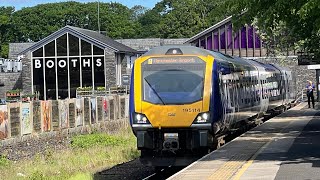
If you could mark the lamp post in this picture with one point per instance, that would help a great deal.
(98, 16)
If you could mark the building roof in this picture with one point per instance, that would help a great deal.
(16, 48)
(94, 37)
(210, 29)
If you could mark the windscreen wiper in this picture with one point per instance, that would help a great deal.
(154, 91)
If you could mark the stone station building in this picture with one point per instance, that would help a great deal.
(73, 57)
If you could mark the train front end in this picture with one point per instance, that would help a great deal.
(169, 104)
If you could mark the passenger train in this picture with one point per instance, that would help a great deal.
(183, 97)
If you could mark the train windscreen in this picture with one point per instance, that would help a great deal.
(174, 80)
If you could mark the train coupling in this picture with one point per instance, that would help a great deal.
(171, 142)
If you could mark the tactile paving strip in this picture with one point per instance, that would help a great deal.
(228, 169)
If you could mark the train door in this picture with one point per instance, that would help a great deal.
(227, 93)
(264, 98)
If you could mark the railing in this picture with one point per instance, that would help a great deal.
(112, 90)
(300, 96)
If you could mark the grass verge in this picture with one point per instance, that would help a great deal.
(87, 155)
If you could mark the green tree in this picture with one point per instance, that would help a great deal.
(283, 23)
(35, 23)
(5, 28)
(179, 18)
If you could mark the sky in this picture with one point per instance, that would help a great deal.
(18, 4)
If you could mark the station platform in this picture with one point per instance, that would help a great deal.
(285, 147)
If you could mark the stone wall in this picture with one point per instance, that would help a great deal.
(10, 81)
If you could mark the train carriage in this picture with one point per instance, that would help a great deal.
(182, 97)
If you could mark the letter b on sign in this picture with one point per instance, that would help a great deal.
(37, 63)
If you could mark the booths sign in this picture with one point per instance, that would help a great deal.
(62, 63)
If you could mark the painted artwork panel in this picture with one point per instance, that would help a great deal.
(71, 114)
(4, 124)
(14, 113)
(100, 109)
(105, 109)
(112, 112)
(86, 111)
(37, 116)
(26, 123)
(64, 114)
(46, 115)
(79, 113)
(55, 115)
(93, 103)
(122, 107)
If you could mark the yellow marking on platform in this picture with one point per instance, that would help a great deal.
(227, 170)
(243, 169)
(238, 175)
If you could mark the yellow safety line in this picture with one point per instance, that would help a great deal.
(227, 174)
(243, 169)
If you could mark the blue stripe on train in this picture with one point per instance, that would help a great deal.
(215, 101)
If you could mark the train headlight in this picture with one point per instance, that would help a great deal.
(140, 119)
(202, 118)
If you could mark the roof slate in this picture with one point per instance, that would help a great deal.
(91, 36)
(210, 29)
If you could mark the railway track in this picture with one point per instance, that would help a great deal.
(135, 170)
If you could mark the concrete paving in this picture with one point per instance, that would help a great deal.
(285, 147)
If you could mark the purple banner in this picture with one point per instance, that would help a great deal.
(243, 37)
(215, 41)
(250, 37)
(209, 43)
(222, 39)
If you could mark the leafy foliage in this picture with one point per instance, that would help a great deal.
(179, 18)
(86, 141)
(4, 162)
(283, 23)
(35, 23)
(5, 25)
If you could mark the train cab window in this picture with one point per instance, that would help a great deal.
(185, 85)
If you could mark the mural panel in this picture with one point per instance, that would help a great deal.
(14, 113)
(112, 112)
(93, 103)
(86, 111)
(71, 114)
(100, 108)
(122, 107)
(64, 114)
(55, 115)
(105, 109)
(79, 114)
(4, 129)
(46, 115)
(37, 116)
(26, 123)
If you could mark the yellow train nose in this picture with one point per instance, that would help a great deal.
(171, 115)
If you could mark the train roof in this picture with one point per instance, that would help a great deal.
(185, 49)
(192, 50)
